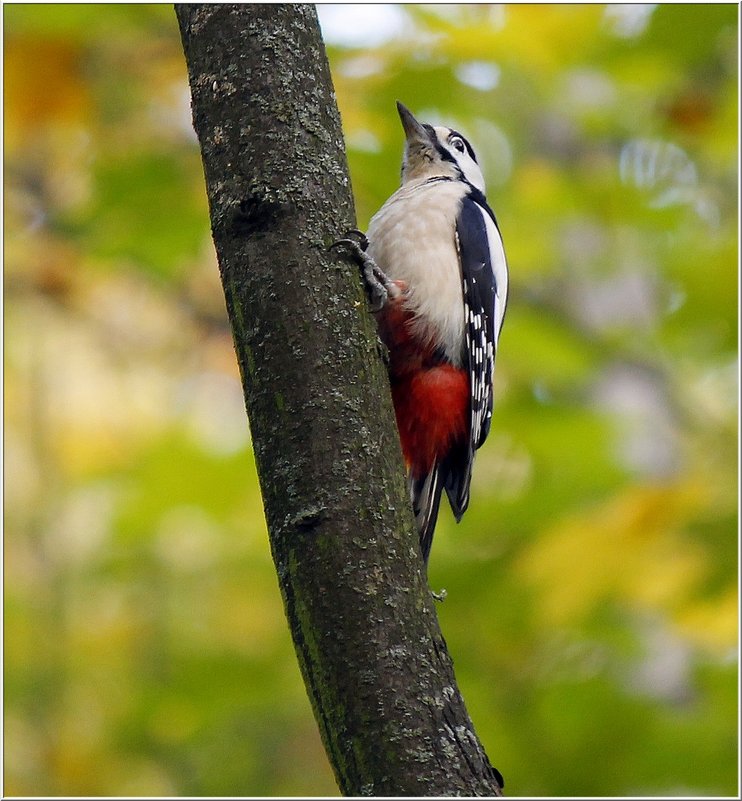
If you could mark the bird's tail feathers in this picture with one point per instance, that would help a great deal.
(457, 479)
(425, 492)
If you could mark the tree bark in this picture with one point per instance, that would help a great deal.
(341, 530)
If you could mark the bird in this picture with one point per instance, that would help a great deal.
(434, 266)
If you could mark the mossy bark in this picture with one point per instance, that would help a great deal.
(341, 530)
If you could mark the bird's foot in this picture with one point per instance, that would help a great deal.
(439, 596)
(377, 283)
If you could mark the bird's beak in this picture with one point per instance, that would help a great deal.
(414, 131)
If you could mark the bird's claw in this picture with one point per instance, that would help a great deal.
(348, 241)
(439, 596)
(375, 280)
(362, 238)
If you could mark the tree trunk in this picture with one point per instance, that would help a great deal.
(341, 529)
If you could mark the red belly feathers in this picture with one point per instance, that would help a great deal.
(431, 398)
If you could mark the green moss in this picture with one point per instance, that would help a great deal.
(328, 707)
(249, 358)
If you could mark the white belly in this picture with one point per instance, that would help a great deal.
(412, 238)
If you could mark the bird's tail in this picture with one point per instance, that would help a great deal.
(456, 478)
(425, 492)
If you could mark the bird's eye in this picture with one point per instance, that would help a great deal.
(458, 144)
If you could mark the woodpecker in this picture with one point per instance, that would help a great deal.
(435, 269)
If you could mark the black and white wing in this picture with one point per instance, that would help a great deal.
(484, 276)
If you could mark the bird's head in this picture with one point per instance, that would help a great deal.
(436, 151)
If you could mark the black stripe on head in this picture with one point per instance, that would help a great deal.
(469, 148)
(442, 152)
(445, 155)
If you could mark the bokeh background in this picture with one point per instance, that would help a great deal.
(592, 587)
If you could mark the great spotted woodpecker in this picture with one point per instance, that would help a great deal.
(435, 268)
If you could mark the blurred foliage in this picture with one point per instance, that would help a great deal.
(592, 586)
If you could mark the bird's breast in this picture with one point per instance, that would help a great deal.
(413, 238)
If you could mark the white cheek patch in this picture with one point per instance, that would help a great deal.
(467, 166)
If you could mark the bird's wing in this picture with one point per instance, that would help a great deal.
(484, 278)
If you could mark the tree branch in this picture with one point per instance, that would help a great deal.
(341, 530)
